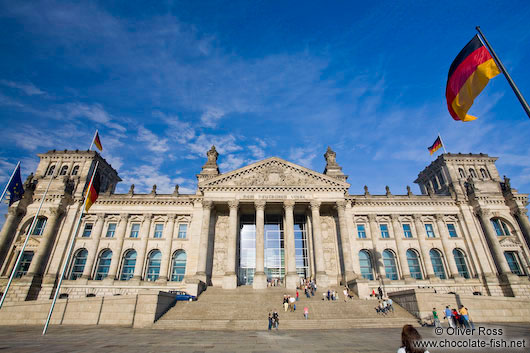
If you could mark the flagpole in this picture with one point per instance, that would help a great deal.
(443, 144)
(9, 181)
(30, 230)
(505, 72)
(93, 138)
(71, 246)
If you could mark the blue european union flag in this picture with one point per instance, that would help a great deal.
(15, 188)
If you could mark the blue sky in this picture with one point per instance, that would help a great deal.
(163, 81)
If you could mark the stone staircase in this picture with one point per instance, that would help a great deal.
(247, 309)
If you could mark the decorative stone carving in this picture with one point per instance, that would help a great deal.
(288, 204)
(409, 192)
(332, 168)
(211, 167)
(315, 204)
(207, 204)
(176, 191)
(274, 176)
(366, 193)
(233, 204)
(260, 204)
(388, 193)
(510, 242)
(131, 190)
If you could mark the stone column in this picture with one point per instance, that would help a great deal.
(495, 246)
(38, 263)
(524, 223)
(260, 279)
(116, 254)
(140, 255)
(203, 246)
(290, 253)
(448, 254)
(376, 255)
(95, 237)
(348, 274)
(230, 278)
(166, 252)
(6, 234)
(424, 248)
(401, 248)
(322, 277)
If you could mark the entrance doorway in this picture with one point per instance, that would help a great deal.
(274, 248)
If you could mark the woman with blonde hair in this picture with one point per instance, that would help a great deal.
(409, 335)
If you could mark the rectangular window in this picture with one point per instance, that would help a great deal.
(111, 230)
(87, 231)
(158, 230)
(513, 262)
(407, 231)
(452, 230)
(360, 231)
(429, 230)
(39, 227)
(384, 231)
(183, 228)
(135, 228)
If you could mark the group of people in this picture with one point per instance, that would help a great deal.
(289, 303)
(385, 306)
(308, 285)
(274, 320)
(455, 318)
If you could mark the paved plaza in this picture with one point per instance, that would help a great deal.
(119, 339)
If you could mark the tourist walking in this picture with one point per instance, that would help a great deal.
(345, 294)
(390, 304)
(291, 304)
(465, 317)
(306, 312)
(409, 335)
(435, 318)
(380, 292)
(449, 315)
(297, 295)
(270, 320)
(276, 319)
(285, 303)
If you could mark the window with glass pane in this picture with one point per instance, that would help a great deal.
(87, 230)
(178, 269)
(111, 229)
(135, 228)
(414, 264)
(247, 249)
(429, 230)
(75, 170)
(513, 261)
(452, 230)
(407, 231)
(103, 265)
(64, 170)
(389, 260)
(361, 232)
(129, 262)
(153, 265)
(365, 263)
(300, 244)
(39, 226)
(384, 231)
(78, 264)
(501, 228)
(159, 228)
(461, 263)
(274, 247)
(183, 229)
(23, 266)
(437, 264)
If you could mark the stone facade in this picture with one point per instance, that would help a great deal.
(269, 222)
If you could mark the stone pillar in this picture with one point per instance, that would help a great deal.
(448, 253)
(348, 274)
(495, 246)
(95, 238)
(116, 254)
(401, 248)
(230, 278)
(166, 252)
(292, 279)
(6, 234)
(203, 245)
(376, 255)
(140, 256)
(521, 217)
(322, 277)
(260, 279)
(38, 263)
(424, 248)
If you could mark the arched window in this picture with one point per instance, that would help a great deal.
(366, 265)
(153, 265)
(501, 228)
(51, 169)
(514, 262)
(461, 172)
(414, 264)
(64, 169)
(75, 170)
(38, 229)
(472, 173)
(389, 260)
(78, 264)
(460, 260)
(437, 263)
(483, 173)
(178, 268)
(23, 266)
(102, 269)
(129, 262)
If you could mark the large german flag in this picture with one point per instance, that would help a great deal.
(470, 72)
(93, 192)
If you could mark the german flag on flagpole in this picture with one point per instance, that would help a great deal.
(469, 73)
(97, 141)
(436, 145)
(93, 191)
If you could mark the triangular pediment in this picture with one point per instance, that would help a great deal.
(509, 242)
(33, 242)
(273, 172)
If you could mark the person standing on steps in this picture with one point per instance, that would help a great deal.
(297, 295)
(276, 319)
(306, 312)
(270, 321)
(380, 292)
(345, 294)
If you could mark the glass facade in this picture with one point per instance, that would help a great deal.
(153, 265)
(365, 263)
(437, 264)
(461, 263)
(389, 260)
(247, 249)
(103, 265)
(129, 263)
(274, 247)
(414, 264)
(301, 246)
(78, 265)
(178, 269)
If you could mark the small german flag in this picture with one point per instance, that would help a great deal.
(97, 142)
(469, 73)
(436, 145)
(93, 192)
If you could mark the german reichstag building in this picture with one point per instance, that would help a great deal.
(271, 222)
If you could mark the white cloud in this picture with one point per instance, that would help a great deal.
(303, 156)
(211, 116)
(257, 152)
(231, 162)
(27, 88)
(153, 142)
(145, 176)
(223, 143)
(94, 112)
